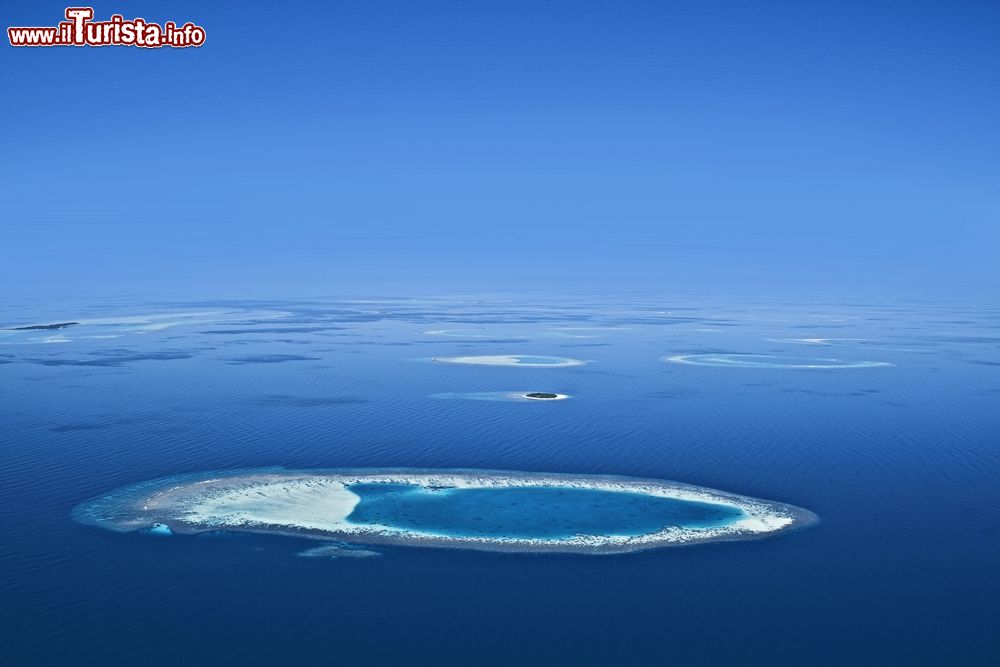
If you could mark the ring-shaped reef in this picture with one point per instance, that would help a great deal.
(461, 508)
(769, 361)
(522, 360)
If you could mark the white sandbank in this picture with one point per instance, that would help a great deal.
(311, 503)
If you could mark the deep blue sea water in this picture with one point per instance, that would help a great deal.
(529, 512)
(901, 463)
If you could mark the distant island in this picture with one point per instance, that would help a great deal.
(544, 396)
(44, 327)
(510, 396)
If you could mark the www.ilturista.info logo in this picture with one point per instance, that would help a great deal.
(81, 30)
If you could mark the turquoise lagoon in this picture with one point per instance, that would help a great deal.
(531, 512)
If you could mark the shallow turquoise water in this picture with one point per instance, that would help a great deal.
(540, 360)
(539, 512)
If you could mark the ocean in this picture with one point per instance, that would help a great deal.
(894, 443)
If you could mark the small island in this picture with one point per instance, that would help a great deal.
(544, 396)
(502, 396)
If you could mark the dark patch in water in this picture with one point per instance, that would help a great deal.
(115, 358)
(44, 327)
(832, 394)
(445, 340)
(94, 426)
(680, 392)
(269, 359)
(273, 330)
(310, 401)
(994, 340)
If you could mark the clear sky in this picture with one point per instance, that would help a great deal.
(411, 147)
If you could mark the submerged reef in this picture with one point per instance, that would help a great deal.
(338, 550)
(769, 361)
(468, 509)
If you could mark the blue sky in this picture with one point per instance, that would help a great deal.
(410, 147)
